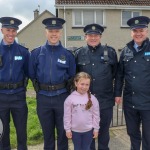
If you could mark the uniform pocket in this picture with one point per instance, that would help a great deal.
(84, 63)
(62, 66)
(146, 62)
(83, 60)
(126, 59)
(147, 58)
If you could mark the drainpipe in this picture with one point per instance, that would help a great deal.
(65, 27)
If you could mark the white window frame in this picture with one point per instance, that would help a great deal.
(82, 25)
(132, 11)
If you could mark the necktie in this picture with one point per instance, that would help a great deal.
(139, 48)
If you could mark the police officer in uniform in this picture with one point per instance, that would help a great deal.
(100, 61)
(51, 66)
(134, 69)
(13, 80)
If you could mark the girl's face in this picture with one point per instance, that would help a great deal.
(82, 85)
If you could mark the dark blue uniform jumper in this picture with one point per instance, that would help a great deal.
(52, 66)
(13, 71)
(102, 69)
(134, 69)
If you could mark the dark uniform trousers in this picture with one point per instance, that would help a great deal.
(16, 105)
(50, 110)
(103, 138)
(134, 118)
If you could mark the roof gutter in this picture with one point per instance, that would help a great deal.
(102, 7)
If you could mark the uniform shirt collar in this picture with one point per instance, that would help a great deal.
(55, 44)
(4, 43)
(136, 47)
(94, 48)
(144, 44)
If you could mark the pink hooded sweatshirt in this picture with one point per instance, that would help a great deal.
(76, 117)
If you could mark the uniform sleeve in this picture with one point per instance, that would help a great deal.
(96, 114)
(32, 65)
(76, 59)
(115, 62)
(26, 64)
(119, 79)
(67, 115)
(72, 65)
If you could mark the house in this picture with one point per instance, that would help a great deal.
(33, 35)
(111, 14)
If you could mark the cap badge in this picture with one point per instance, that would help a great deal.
(93, 28)
(136, 21)
(12, 22)
(53, 22)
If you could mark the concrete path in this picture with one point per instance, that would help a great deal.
(119, 140)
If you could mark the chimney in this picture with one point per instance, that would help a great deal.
(36, 13)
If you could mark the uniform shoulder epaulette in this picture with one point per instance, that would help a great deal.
(79, 49)
(111, 48)
(39, 47)
(70, 51)
(23, 47)
(36, 50)
(125, 49)
(73, 51)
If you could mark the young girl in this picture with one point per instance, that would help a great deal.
(81, 113)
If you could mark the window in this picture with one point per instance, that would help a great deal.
(126, 15)
(84, 17)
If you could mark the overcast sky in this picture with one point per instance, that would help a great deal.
(23, 9)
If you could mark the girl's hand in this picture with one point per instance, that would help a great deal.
(118, 100)
(69, 135)
(95, 133)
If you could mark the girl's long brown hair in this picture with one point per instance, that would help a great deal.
(85, 76)
(89, 103)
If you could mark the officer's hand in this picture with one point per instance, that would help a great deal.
(118, 100)
(69, 135)
(95, 133)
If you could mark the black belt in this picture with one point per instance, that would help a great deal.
(11, 85)
(52, 87)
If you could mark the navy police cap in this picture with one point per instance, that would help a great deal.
(93, 29)
(53, 23)
(138, 22)
(10, 22)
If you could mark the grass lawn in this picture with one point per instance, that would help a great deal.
(34, 131)
(30, 86)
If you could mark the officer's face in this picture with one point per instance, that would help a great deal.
(139, 35)
(53, 35)
(9, 35)
(93, 39)
(82, 85)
